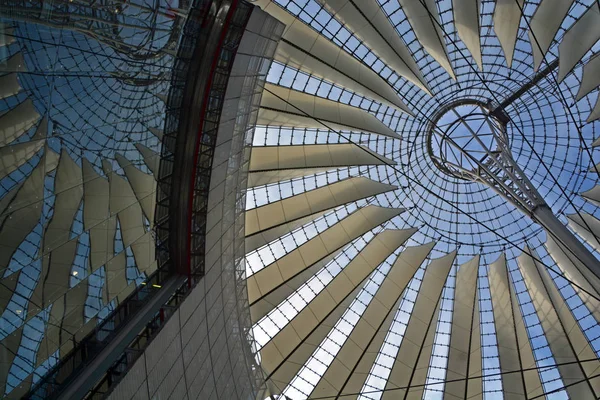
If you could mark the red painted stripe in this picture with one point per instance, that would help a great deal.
(213, 67)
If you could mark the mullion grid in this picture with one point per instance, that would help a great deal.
(490, 360)
(264, 256)
(270, 325)
(312, 371)
(549, 376)
(438, 362)
(382, 367)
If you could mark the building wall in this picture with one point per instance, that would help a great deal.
(203, 351)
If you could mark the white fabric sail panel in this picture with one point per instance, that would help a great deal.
(420, 320)
(116, 275)
(261, 238)
(96, 215)
(587, 227)
(16, 121)
(12, 157)
(144, 253)
(288, 107)
(544, 24)
(156, 132)
(313, 156)
(286, 372)
(311, 202)
(507, 17)
(360, 18)
(68, 189)
(419, 379)
(514, 349)
(593, 195)
(578, 40)
(465, 302)
(371, 321)
(6, 35)
(151, 158)
(475, 384)
(306, 49)
(425, 21)
(9, 85)
(564, 341)
(11, 345)
(594, 115)
(466, 20)
(375, 252)
(262, 178)
(578, 273)
(277, 273)
(361, 75)
(591, 77)
(263, 306)
(25, 209)
(123, 202)
(66, 318)
(143, 185)
(14, 64)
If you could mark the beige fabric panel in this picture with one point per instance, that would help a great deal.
(96, 216)
(506, 334)
(580, 225)
(260, 239)
(151, 158)
(15, 63)
(263, 306)
(290, 368)
(66, 317)
(311, 202)
(572, 269)
(123, 202)
(144, 253)
(9, 85)
(328, 241)
(359, 17)
(507, 17)
(10, 347)
(576, 337)
(421, 17)
(68, 189)
(558, 340)
(415, 392)
(465, 302)
(143, 185)
(543, 27)
(375, 252)
(578, 40)
(466, 20)
(475, 383)
(25, 209)
(371, 321)
(420, 319)
(116, 278)
(327, 156)
(323, 58)
(594, 115)
(337, 115)
(6, 35)
(17, 121)
(266, 177)
(12, 157)
(593, 195)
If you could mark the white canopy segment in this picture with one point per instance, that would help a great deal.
(286, 107)
(455, 309)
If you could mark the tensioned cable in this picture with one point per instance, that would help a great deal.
(470, 378)
(442, 199)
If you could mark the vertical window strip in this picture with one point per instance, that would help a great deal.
(380, 372)
(438, 363)
(265, 329)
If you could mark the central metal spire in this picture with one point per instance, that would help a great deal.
(468, 140)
